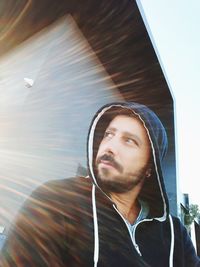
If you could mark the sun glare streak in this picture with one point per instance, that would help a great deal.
(43, 137)
(10, 27)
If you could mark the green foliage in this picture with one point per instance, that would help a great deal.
(192, 214)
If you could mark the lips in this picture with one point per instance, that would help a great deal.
(107, 163)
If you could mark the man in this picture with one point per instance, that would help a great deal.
(117, 216)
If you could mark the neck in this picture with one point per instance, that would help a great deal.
(127, 204)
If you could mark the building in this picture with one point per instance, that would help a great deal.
(57, 67)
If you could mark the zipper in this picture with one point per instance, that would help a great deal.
(132, 236)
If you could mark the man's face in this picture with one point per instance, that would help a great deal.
(123, 155)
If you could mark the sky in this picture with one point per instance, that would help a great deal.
(174, 30)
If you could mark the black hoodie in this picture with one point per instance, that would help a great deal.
(72, 222)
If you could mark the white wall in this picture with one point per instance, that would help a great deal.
(44, 127)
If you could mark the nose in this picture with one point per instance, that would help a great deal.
(112, 146)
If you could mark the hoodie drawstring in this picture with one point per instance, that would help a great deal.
(96, 232)
(172, 242)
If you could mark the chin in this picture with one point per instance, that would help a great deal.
(113, 186)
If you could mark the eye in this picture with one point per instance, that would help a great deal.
(108, 134)
(130, 141)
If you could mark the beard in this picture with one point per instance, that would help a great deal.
(119, 183)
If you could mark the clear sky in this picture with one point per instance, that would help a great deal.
(174, 27)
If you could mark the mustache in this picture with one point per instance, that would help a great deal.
(111, 161)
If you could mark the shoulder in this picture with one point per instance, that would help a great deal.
(46, 220)
(183, 244)
(58, 194)
(177, 226)
(64, 186)
(67, 182)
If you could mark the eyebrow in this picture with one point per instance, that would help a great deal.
(128, 134)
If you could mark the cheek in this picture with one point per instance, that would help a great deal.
(134, 160)
(142, 160)
(146, 155)
(99, 150)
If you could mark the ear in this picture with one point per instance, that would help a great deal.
(148, 172)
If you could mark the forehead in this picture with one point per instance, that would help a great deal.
(128, 124)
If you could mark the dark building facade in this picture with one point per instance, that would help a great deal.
(78, 57)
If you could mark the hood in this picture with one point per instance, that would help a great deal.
(153, 190)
